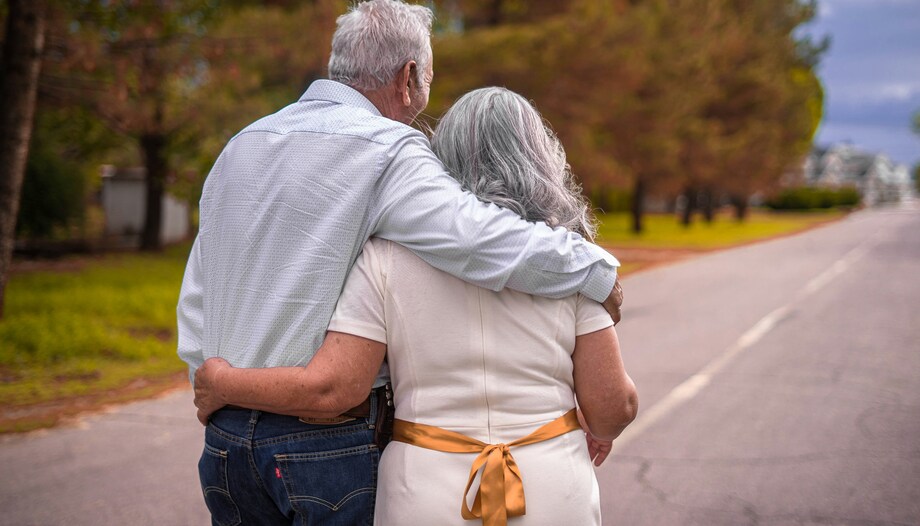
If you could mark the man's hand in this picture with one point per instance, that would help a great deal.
(614, 301)
(598, 449)
(208, 396)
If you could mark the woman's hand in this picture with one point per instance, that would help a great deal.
(208, 395)
(598, 449)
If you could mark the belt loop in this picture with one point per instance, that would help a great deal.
(372, 414)
(253, 419)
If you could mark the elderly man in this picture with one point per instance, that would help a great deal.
(284, 213)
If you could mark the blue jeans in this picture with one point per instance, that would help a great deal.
(266, 469)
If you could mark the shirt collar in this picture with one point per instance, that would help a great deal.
(337, 92)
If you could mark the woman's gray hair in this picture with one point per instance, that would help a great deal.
(497, 145)
(374, 39)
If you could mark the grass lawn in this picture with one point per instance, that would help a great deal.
(102, 329)
(88, 331)
(664, 231)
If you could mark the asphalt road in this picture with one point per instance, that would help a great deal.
(779, 384)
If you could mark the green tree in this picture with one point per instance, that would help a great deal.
(769, 100)
(706, 97)
(597, 92)
(134, 64)
(68, 145)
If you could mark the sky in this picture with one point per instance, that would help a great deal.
(871, 75)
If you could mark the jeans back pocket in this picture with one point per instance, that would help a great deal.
(331, 487)
(212, 469)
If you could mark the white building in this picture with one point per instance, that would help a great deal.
(124, 195)
(874, 175)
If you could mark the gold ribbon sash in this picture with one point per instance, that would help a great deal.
(501, 488)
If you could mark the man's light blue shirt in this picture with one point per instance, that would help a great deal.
(293, 198)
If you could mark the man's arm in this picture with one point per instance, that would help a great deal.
(190, 312)
(424, 209)
(335, 380)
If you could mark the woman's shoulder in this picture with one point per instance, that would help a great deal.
(390, 252)
(385, 256)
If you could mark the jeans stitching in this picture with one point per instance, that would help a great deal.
(215, 451)
(282, 461)
(359, 432)
(345, 452)
(318, 433)
(224, 489)
(331, 506)
(227, 436)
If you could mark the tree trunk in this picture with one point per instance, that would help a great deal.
(19, 69)
(495, 13)
(687, 216)
(638, 200)
(741, 207)
(153, 147)
(709, 205)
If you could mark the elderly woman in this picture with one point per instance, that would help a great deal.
(484, 382)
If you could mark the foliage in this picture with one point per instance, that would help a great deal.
(97, 326)
(807, 198)
(52, 196)
(664, 95)
(134, 64)
(68, 145)
(610, 199)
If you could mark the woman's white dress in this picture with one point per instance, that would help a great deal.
(491, 365)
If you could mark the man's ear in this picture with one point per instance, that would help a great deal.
(404, 80)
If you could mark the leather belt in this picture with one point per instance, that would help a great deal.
(362, 410)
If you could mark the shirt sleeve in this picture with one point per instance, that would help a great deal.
(590, 316)
(190, 313)
(360, 310)
(424, 209)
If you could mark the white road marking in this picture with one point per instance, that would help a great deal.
(692, 386)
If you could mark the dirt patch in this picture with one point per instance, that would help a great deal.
(47, 414)
(8, 376)
(642, 259)
(72, 264)
(91, 375)
(164, 335)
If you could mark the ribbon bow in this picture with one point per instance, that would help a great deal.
(501, 488)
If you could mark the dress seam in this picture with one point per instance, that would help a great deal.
(485, 375)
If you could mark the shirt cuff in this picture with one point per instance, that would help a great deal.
(600, 281)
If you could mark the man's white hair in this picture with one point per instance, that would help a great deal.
(376, 38)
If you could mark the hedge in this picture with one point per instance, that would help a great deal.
(809, 198)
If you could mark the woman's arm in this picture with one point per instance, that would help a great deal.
(606, 394)
(338, 378)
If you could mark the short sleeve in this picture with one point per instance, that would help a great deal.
(360, 310)
(590, 316)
